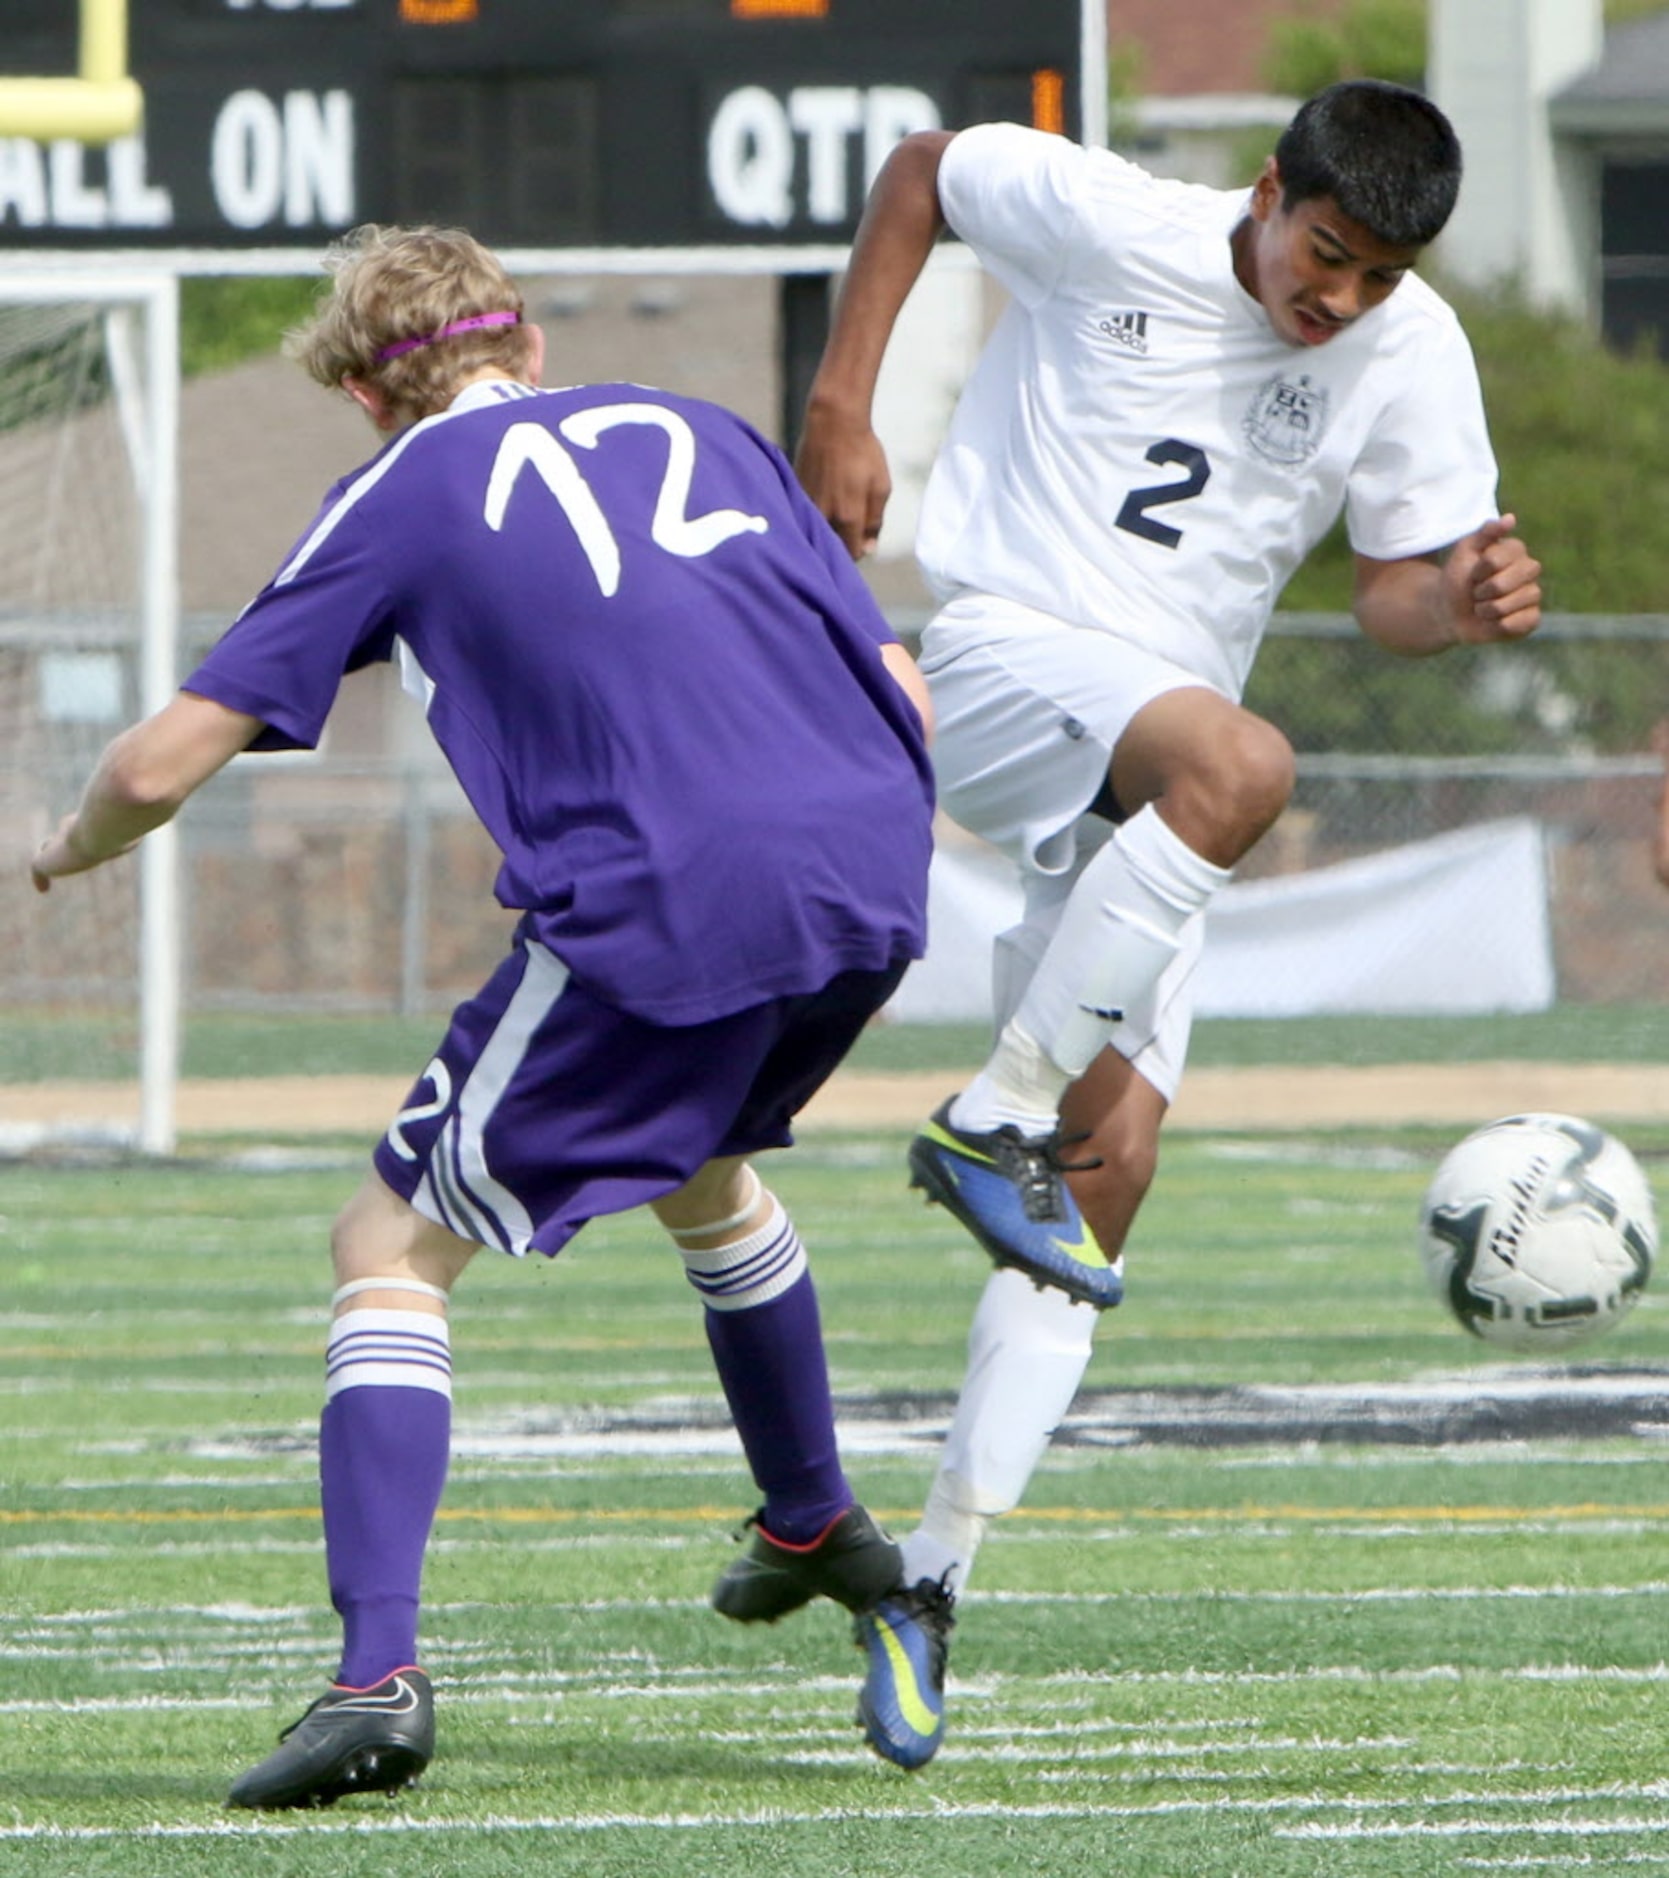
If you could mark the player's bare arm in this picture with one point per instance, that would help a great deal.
(907, 676)
(840, 460)
(1486, 588)
(142, 780)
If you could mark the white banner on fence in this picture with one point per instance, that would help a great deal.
(1458, 923)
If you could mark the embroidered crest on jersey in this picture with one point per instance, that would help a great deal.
(1125, 329)
(1284, 421)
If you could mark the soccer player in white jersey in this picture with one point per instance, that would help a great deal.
(1186, 388)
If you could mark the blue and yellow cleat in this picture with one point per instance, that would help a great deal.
(906, 1638)
(1007, 1189)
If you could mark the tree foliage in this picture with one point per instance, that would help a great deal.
(1582, 437)
(226, 318)
(1307, 50)
(1364, 39)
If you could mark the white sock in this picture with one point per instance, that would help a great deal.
(1120, 928)
(1027, 1353)
(1019, 1086)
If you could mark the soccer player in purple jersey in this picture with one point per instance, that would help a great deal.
(674, 705)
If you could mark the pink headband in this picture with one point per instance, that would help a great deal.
(401, 346)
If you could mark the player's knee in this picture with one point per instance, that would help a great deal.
(351, 1249)
(1264, 770)
(379, 1235)
(1234, 790)
(719, 1200)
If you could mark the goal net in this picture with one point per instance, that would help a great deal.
(88, 621)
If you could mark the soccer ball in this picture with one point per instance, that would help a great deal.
(1538, 1232)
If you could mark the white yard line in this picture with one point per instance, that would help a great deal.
(771, 1818)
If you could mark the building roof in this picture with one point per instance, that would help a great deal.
(1627, 92)
(1192, 46)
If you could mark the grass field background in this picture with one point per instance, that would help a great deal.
(58, 1045)
(1261, 1655)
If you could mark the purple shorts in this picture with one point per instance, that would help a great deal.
(545, 1107)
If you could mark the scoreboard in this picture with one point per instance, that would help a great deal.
(535, 123)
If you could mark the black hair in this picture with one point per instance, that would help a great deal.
(1387, 156)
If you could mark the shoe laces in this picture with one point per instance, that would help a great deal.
(932, 1604)
(1035, 1164)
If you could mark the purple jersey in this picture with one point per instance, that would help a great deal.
(652, 667)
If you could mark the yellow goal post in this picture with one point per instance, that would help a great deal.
(98, 105)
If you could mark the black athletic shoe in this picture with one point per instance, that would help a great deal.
(852, 1561)
(350, 1741)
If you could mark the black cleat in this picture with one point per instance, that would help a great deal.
(852, 1561)
(374, 1740)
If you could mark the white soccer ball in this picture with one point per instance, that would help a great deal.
(1538, 1232)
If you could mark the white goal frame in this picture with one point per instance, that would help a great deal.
(145, 377)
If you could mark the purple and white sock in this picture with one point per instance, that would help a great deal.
(384, 1440)
(766, 1335)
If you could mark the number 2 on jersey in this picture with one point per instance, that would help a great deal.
(1134, 515)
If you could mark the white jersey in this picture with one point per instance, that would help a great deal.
(1138, 451)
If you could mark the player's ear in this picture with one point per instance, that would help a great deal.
(535, 369)
(1266, 191)
(371, 401)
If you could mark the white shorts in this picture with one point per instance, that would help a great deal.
(1027, 712)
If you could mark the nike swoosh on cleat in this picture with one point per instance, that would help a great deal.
(402, 1700)
(934, 1133)
(910, 1704)
(1081, 1256)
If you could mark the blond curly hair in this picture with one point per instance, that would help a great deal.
(392, 284)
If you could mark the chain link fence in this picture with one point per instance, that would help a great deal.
(361, 883)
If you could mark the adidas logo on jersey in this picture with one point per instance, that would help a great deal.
(1126, 329)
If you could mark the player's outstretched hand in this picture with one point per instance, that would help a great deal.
(842, 467)
(1493, 584)
(57, 856)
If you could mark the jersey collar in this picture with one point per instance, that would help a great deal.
(487, 391)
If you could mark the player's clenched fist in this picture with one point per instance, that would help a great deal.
(1493, 584)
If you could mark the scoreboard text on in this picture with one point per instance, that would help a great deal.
(535, 123)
